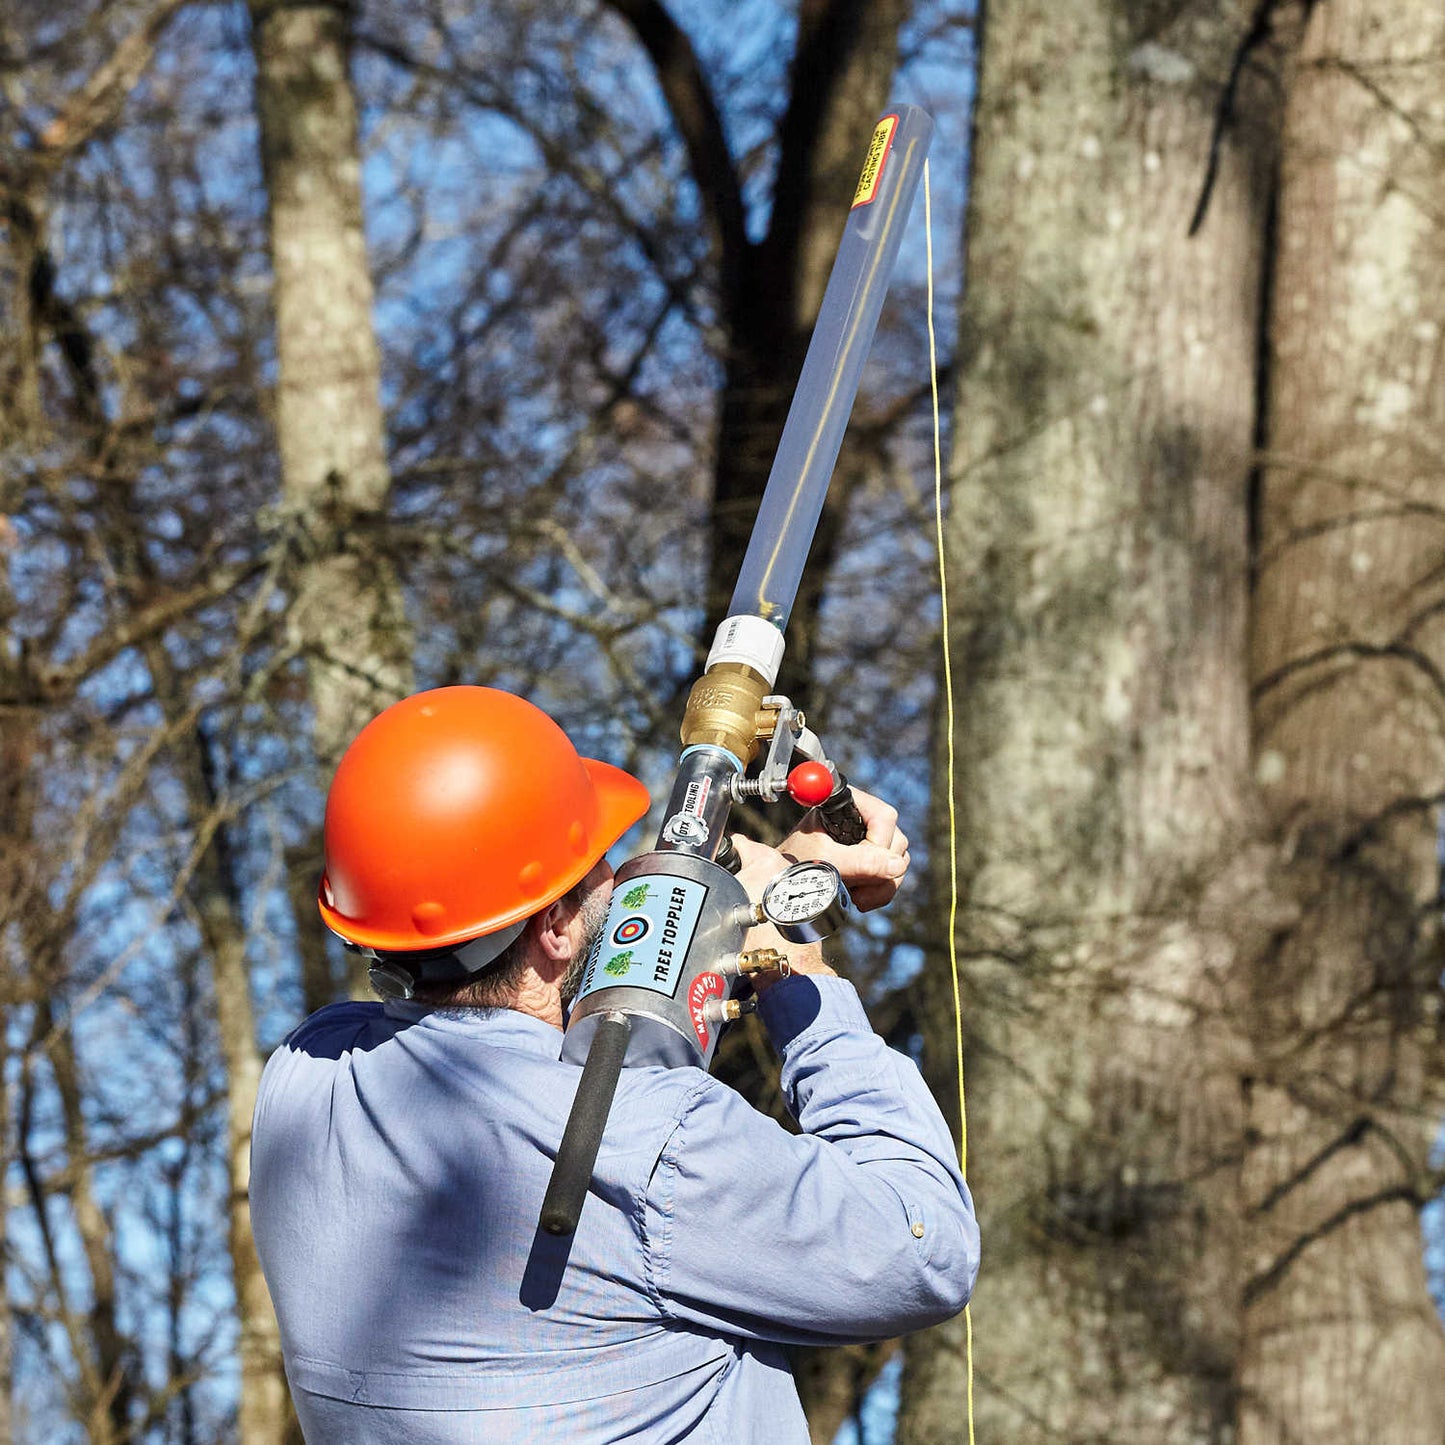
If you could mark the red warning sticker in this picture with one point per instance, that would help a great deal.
(704, 987)
(878, 149)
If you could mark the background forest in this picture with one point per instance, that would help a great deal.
(350, 348)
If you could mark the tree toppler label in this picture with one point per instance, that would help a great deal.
(878, 149)
(647, 935)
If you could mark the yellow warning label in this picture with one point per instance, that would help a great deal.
(873, 167)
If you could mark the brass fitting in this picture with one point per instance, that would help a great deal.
(763, 960)
(722, 710)
(727, 1010)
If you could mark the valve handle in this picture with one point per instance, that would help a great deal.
(813, 785)
(810, 783)
(840, 817)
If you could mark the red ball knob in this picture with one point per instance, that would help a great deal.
(810, 784)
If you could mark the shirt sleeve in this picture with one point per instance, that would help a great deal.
(860, 1228)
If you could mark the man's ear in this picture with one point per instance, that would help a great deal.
(553, 934)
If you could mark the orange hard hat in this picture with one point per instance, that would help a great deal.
(458, 812)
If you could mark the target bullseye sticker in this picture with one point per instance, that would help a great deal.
(631, 930)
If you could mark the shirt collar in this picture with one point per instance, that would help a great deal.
(504, 1028)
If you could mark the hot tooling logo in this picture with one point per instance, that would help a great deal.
(688, 825)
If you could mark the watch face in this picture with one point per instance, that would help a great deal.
(801, 893)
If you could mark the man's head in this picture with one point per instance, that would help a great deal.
(543, 965)
(460, 827)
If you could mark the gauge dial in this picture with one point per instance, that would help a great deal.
(806, 902)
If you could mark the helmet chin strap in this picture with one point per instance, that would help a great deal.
(396, 975)
(390, 980)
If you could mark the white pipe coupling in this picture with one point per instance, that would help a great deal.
(750, 640)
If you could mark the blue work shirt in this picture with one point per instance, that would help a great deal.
(399, 1159)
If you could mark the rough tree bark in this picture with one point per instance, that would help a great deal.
(106, 1368)
(1106, 416)
(347, 617)
(1341, 1338)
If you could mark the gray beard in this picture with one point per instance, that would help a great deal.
(594, 919)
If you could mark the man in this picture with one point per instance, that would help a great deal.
(401, 1150)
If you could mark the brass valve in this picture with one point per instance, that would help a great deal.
(724, 709)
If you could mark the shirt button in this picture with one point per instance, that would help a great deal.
(918, 1231)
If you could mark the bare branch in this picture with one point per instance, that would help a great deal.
(97, 102)
(690, 99)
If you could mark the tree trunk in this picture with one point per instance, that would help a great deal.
(1098, 551)
(108, 1386)
(1341, 1338)
(265, 1412)
(348, 616)
(18, 726)
(769, 291)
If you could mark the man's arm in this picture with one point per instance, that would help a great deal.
(861, 1228)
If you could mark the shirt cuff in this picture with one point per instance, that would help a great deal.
(804, 1001)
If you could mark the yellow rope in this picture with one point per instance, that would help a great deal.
(948, 730)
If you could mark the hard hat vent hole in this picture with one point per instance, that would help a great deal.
(577, 838)
(530, 877)
(429, 917)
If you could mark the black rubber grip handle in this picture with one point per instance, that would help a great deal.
(577, 1153)
(840, 817)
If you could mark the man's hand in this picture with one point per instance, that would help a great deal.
(761, 865)
(872, 869)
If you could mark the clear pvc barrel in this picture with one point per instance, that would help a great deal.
(808, 451)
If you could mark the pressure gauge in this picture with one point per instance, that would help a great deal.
(805, 902)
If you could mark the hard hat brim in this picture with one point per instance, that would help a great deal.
(621, 801)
